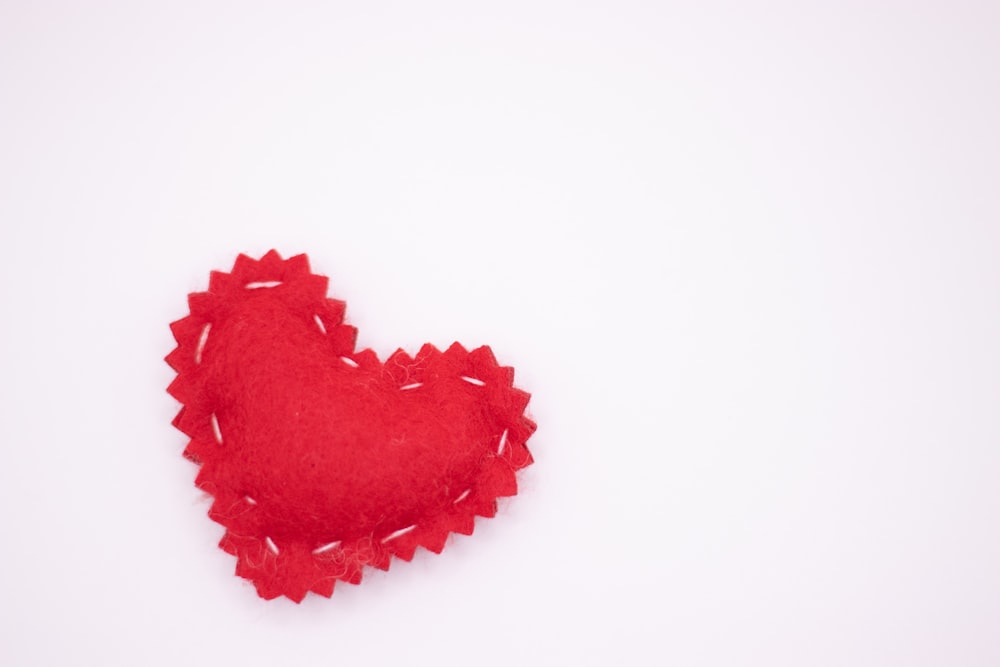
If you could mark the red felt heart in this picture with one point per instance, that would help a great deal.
(321, 459)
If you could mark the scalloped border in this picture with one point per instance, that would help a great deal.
(272, 568)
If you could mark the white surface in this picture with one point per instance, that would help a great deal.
(743, 254)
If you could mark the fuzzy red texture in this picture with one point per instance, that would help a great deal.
(321, 459)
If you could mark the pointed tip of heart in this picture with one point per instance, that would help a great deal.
(290, 565)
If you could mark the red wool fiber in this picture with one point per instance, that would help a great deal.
(322, 460)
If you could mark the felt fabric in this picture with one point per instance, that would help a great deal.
(321, 459)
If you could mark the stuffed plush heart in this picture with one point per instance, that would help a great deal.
(323, 460)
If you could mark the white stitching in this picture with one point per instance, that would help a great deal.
(250, 501)
(319, 323)
(503, 442)
(462, 497)
(271, 545)
(398, 533)
(411, 386)
(326, 547)
(264, 283)
(350, 362)
(216, 430)
(475, 381)
(202, 339)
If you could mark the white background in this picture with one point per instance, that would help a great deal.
(744, 255)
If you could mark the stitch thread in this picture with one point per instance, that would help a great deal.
(398, 533)
(271, 545)
(202, 339)
(326, 547)
(216, 430)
